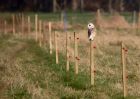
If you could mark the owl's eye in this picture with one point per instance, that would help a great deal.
(89, 25)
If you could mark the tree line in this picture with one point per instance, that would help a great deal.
(72, 5)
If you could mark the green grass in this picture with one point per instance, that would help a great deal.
(18, 93)
(72, 18)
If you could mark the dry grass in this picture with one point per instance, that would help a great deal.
(115, 21)
(25, 77)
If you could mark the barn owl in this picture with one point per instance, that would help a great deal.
(91, 31)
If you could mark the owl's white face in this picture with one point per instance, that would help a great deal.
(90, 26)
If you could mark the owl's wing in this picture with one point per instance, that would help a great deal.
(89, 33)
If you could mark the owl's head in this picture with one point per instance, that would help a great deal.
(91, 26)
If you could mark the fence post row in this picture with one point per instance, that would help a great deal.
(41, 37)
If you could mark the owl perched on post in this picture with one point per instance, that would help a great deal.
(91, 31)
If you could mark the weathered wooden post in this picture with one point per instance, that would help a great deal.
(5, 27)
(134, 22)
(13, 18)
(98, 17)
(67, 53)
(40, 33)
(92, 68)
(29, 26)
(138, 22)
(62, 18)
(76, 58)
(50, 37)
(22, 28)
(124, 70)
(56, 46)
(134, 19)
(74, 47)
(44, 34)
(36, 27)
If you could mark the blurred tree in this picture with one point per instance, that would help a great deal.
(116, 5)
(54, 5)
(74, 5)
(82, 5)
(121, 5)
(110, 6)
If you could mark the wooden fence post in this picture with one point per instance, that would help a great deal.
(5, 27)
(98, 17)
(13, 28)
(124, 69)
(62, 17)
(76, 53)
(40, 33)
(74, 47)
(77, 58)
(29, 26)
(67, 52)
(137, 23)
(44, 34)
(50, 35)
(56, 46)
(22, 28)
(134, 21)
(36, 27)
(92, 68)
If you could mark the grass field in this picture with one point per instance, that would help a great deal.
(28, 71)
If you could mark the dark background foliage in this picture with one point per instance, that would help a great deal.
(89, 5)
